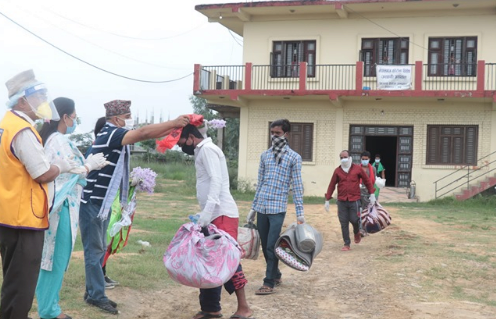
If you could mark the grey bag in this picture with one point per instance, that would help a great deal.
(305, 237)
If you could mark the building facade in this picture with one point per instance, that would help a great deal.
(413, 81)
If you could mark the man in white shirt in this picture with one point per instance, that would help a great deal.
(218, 208)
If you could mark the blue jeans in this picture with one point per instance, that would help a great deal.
(269, 228)
(94, 238)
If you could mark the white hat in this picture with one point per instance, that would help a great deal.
(20, 82)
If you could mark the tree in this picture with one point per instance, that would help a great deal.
(231, 131)
(82, 141)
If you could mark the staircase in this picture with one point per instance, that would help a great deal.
(468, 181)
(481, 186)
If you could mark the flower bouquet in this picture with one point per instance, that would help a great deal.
(121, 219)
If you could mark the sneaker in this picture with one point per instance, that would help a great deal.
(110, 281)
(109, 285)
(358, 238)
(112, 303)
(345, 248)
(105, 306)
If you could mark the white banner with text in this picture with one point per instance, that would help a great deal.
(394, 77)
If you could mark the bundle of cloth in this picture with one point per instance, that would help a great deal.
(202, 258)
(298, 246)
(374, 218)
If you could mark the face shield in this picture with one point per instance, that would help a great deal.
(37, 97)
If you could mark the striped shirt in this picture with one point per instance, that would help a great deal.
(275, 180)
(108, 141)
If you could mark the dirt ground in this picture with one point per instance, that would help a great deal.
(354, 284)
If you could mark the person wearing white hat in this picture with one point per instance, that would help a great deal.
(24, 203)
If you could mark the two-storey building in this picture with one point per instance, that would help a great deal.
(412, 80)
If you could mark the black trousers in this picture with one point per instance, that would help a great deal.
(21, 251)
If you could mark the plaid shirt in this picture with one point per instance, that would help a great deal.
(274, 181)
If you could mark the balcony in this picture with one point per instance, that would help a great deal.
(217, 83)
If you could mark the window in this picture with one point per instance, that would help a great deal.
(300, 140)
(287, 55)
(452, 145)
(389, 51)
(453, 56)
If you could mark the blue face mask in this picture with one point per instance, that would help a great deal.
(365, 162)
(70, 129)
(377, 160)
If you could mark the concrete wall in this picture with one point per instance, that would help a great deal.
(331, 134)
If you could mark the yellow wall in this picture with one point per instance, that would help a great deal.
(331, 134)
(339, 40)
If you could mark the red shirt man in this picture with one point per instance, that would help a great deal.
(347, 177)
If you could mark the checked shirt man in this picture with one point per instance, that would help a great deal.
(279, 171)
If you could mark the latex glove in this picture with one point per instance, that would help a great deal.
(372, 199)
(65, 165)
(205, 218)
(251, 216)
(95, 161)
(78, 170)
(300, 219)
(326, 206)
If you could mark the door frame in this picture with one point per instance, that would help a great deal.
(404, 147)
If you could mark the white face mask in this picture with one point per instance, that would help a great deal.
(346, 163)
(128, 123)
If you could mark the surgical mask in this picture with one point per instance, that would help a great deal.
(377, 160)
(70, 129)
(188, 149)
(128, 123)
(365, 162)
(344, 160)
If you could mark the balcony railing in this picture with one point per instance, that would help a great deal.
(476, 77)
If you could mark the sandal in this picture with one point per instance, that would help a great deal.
(264, 290)
(278, 282)
(206, 315)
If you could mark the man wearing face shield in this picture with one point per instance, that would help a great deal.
(98, 195)
(24, 204)
(347, 177)
(279, 170)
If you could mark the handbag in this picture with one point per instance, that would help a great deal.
(199, 259)
(249, 241)
(375, 218)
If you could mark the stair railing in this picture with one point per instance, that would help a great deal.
(464, 175)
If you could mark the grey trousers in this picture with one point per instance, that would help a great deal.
(348, 213)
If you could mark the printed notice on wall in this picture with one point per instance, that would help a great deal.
(394, 77)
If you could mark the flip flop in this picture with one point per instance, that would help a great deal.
(278, 282)
(240, 317)
(264, 290)
(206, 315)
